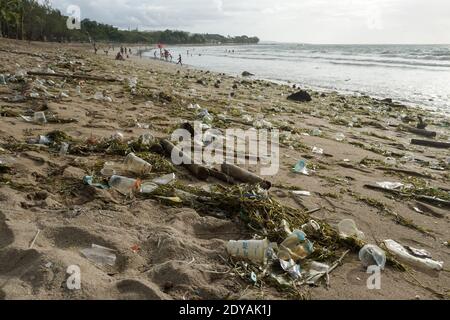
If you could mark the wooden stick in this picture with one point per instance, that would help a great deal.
(430, 143)
(428, 199)
(199, 171)
(410, 172)
(244, 175)
(420, 132)
(75, 76)
(34, 239)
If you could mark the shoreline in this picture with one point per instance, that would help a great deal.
(176, 251)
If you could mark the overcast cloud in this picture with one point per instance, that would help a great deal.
(313, 21)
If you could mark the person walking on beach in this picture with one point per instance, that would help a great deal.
(179, 60)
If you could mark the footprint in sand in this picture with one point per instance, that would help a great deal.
(77, 238)
(136, 290)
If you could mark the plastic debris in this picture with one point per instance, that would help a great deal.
(292, 268)
(253, 250)
(421, 253)
(347, 228)
(339, 137)
(300, 167)
(137, 165)
(2, 79)
(296, 247)
(301, 193)
(124, 185)
(64, 148)
(311, 227)
(260, 124)
(372, 255)
(402, 254)
(316, 132)
(316, 271)
(89, 180)
(317, 150)
(390, 161)
(247, 118)
(165, 179)
(390, 185)
(148, 187)
(44, 140)
(100, 255)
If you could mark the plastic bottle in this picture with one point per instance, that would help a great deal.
(137, 165)
(124, 185)
(295, 247)
(253, 250)
(371, 255)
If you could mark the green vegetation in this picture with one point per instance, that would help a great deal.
(31, 20)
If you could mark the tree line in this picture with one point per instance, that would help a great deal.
(34, 21)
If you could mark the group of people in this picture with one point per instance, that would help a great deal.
(125, 52)
(165, 54)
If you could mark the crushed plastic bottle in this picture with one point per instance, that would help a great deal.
(124, 185)
(137, 165)
(100, 255)
(296, 247)
(371, 255)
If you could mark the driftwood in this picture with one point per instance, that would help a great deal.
(405, 171)
(420, 132)
(431, 200)
(74, 76)
(428, 210)
(221, 176)
(430, 143)
(244, 175)
(198, 171)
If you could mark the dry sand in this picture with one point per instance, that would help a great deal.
(179, 251)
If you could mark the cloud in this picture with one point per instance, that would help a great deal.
(330, 21)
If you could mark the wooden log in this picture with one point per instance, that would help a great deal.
(198, 171)
(430, 143)
(431, 200)
(420, 132)
(405, 171)
(244, 175)
(74, 76)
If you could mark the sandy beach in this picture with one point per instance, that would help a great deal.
(171, 250)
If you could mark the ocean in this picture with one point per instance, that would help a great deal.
(412, 74)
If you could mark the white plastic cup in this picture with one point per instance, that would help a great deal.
(253, 250)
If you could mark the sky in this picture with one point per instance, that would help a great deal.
(305, 21)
